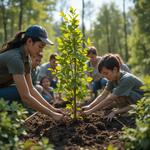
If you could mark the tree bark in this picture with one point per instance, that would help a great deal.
(107, 35)
(20, 15)
(4, 17)
(83, 25)
(125, 32)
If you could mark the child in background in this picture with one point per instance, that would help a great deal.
(47, 92)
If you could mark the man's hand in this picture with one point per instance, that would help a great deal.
(110, 116)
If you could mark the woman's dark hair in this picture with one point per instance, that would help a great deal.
(109, 61)
(92, 50)
(17, 41)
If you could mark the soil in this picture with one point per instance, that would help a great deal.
(91, 133)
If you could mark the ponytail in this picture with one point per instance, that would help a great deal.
(16, 42)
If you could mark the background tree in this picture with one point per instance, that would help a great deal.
(108, 30)
(139, 41)
(21, 3)
(18, 14)
(125, 31)
(83, 15)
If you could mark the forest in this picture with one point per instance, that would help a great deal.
(113, 31)
(125, 32)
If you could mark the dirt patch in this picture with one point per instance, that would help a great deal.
(93, 132)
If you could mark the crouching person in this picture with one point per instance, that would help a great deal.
(15, 70)
(122, 89)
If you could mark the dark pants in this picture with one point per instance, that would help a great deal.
(9, 93)
(53, 83)
(97, 85)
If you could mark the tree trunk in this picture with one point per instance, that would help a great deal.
(12, 25)
(4, 17)
(107, 35)
(125, 33)
(74, 92)
(20, 15)
(83, 25)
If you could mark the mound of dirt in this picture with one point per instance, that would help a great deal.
(93, 132)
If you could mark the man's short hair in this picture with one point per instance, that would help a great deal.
(109, 61)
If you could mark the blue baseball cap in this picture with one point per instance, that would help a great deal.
(38, 32)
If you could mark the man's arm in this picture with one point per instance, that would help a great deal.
(106, 102)
(123, 110)
(100, 98)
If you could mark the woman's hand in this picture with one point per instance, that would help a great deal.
(58, 116)
(84, 113)
(84, 108)
(60, 111)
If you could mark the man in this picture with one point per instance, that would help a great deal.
(36, 60)
(46, 70)
(98, 81)
(122, 89)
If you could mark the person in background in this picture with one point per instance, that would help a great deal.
(15, 67)
(47, 92)
(36, 60)
(46, 70)
(98, 81)
(122, 89)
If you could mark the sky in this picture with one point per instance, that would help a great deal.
(77, 4)
(98, 3)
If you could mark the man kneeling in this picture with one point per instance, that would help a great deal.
(122, 89)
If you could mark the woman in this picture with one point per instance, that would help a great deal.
(15, 66)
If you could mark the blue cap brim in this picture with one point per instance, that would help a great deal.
(46, 41)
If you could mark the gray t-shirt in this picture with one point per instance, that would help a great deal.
(13, 61)
(128, 85)
(45, 71)
(124, 67)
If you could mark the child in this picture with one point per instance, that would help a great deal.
(47, 92)
(121, 90)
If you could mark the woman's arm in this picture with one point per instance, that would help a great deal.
(30, 100)
(37, 95)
